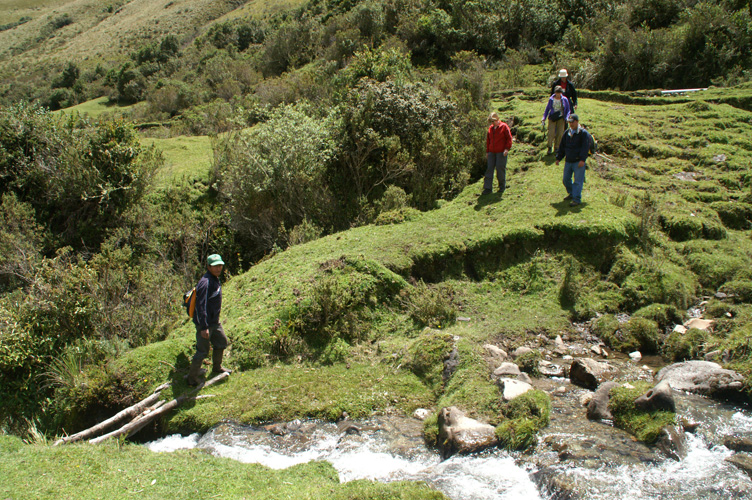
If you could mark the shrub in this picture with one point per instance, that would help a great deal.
(740, 290)
(689, 345)
(524, 416)
(425, 357)
(734, 215)
(430, 306)
(645, 426)
(274, 176)
(641, 333)
(80, 179)
(665, 316)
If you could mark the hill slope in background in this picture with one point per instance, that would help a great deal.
(56, 32)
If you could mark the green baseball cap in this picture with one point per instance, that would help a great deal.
(214, 260)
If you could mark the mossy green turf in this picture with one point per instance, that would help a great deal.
(113, 472)
(186, 159)
(518, 265)
(645, 426)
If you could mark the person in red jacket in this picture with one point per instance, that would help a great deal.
(498, 144)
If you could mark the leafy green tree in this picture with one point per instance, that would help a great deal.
(273, 176)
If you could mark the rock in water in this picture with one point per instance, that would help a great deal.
(673, 443)
(703, 377)
(659, 398)
(597, 408)
(511, 388)
(589, 373)
(463, 435)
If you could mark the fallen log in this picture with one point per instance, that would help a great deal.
(131, 411)
(140, 422)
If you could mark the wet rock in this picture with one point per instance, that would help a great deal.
(743, 461)
(672, 443)
(348, 427)
(597, 408)
(451, 364)
(713, 355)
(461, 434)
(659, 398)
(703, 377)
(689, 425)
(738, 443)
(560, 347)
(586, 398)
(498, 355)
(700, 324)
(421, 413)
(507, 369)
(276, 429)
(558, 487)
(520, 351)
(680, 329)
(550, 369)
(511, 388)
(589, 373)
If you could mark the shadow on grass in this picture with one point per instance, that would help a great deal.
(487, 199)
(563, 208)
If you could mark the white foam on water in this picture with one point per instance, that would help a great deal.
(492, 476)
(703, 474)
(374, 465)
(174, 442)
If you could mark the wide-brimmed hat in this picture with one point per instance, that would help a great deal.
(573, 118)
(563, 73)
(214, 260)
(558, 89)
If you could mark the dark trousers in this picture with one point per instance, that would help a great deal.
(217, 339)
(498, 162)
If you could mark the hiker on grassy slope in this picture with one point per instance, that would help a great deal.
(567, 87)
(498, 144)
(557, 112)
(209, 331)
(574, 148)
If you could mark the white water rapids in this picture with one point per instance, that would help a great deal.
(383, 450)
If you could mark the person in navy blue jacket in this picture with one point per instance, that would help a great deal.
(574, 149)
(209, 331)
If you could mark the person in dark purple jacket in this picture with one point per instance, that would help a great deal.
(209, 331)
(574, 150)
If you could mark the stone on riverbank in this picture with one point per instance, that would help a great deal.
(589, 373)
(597, 408)
(461, 434)
(703, 377)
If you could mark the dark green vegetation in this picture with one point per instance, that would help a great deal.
(342, 190)
(122, 471)
(644, 425)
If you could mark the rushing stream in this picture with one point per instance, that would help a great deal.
(575, 458)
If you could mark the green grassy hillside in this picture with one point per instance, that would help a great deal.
(375, 308)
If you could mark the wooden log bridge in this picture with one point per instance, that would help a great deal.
(140, 414)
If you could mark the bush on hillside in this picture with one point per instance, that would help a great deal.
(274, 176)
(80, 179)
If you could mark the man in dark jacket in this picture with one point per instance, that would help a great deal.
(574, 148)
(567, 87)
(209, 331)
